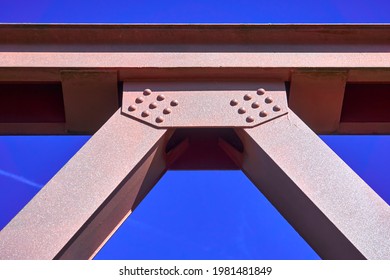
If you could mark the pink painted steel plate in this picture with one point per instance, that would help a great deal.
(213, 105)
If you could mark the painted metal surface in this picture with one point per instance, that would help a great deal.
(254, 60)
(199, 77)
(90, 97)
(331, 207)
(337, 213)
(324, 91)
(149, 53)
(99, 34)
(208, 105)
(81, 206)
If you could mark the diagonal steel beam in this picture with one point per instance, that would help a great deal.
(84, 203)
(329, 205)
(338, 214)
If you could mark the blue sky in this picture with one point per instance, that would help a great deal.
(190, 214)
(216, 11)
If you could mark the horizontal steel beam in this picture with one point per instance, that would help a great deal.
(44, 53)
(208, 60)
(43, 74)
(193, 33)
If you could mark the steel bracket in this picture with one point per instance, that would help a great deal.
(162, 108)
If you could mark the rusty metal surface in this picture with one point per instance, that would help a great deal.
(82, 205)
(330, 206)
(166, 105)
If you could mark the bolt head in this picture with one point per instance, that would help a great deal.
(250, 119)
(139, 100)
(147, 92)
(247, 97)
(276, 108)
(255, 105)
(145, 113)
(160, 97)
(261, 91)
(242, 110)
(167, 111)
(268, 100)
(159, 119)
(174, 102)
(263, 114)
(132, 108)
(233, 102)
(153, 105)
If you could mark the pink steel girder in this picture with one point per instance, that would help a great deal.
(329, 205)
(322, 63)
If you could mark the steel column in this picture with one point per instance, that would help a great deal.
(84, 203)
(329, 205)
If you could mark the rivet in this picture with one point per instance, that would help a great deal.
(153, 105)
(139, 100)
(160, 97)
(250, 119)
(261, 91)
(159, 119)
(174, 102)
(145, 113)
(233, 102)
(268, 100)
(276, 108)
(255, 105)
(147, 92)
(167, 111)
(132, 108)
(242, 110)
(263, 114)
(247, 97)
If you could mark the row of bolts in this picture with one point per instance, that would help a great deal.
(233, 102)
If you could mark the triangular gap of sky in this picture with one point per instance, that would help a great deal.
(219, 215)
(201, 11)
